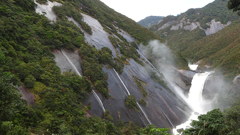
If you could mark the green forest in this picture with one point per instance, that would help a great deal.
(27, 40)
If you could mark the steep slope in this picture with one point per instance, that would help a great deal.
(78, 59)
(150, 21)
(219, 50)
(192, 34)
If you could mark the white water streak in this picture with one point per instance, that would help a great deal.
(128, 93)
(147, 60)
(94, 93)
(70, 62)
(144, 113)
(99, 100)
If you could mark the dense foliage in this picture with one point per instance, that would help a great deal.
(234, 5)
(99, 10)
(216, 122)
(26, 44)
(131, 102)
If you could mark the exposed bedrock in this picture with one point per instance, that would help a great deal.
(163, 108)
(214, 85)
(186, 77)
(67, 60)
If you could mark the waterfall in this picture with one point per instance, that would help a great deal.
(128, 93)
(99, 100)
(70, 62)
(195, 98)
(78, 73)
(192, 66)
(144, 113)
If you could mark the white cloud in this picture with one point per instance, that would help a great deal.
(139, 9)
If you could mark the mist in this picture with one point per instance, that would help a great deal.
(217, 93)
(163, 60)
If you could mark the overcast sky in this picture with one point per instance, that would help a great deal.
(139, 9)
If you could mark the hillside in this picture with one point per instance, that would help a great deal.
(75, 67)
(220, 50)
(192, 34)
(150, 21)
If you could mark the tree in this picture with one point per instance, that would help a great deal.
(131, 102)
(211, 123)
(29, 81)
(234, 5)
(151, 130)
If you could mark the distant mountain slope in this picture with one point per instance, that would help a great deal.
(185, 31)
(150, 21)
(219, 50)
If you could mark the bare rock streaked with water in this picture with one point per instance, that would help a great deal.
(46, 9)
(99, 37)
(68, 61)
(125, 35)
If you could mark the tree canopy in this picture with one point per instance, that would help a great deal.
(234, 5)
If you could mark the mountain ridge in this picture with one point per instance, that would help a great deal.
(195, 25)
(150, 21)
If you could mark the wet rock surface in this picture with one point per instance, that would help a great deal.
(46, 9)
(64, 59)
(163, 108)
(186, 77)
(99, 37)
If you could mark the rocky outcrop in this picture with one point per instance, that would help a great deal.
(160, 101)
(46, 9)
(186, 77)
(215, 26)
(125, 35)
(185, 24)
(68, 61)
(99, 37)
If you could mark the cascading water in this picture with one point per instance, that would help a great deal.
(156, 70)
(128, 93)
(78, 73)
(192, 66)
(70, 62)
(195, 98)
(99, 100)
